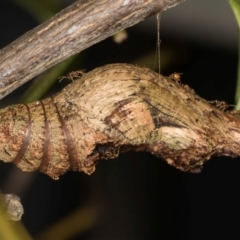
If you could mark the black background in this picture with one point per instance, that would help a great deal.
(137, 196)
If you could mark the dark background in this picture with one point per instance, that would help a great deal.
(138, 196)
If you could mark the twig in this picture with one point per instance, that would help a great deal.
(12, 206)
(74, 29)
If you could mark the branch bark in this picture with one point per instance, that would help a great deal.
(74, 29)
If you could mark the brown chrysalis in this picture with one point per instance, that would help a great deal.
(112, 109)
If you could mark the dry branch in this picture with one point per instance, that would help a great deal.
(74, 29)
(113, 109)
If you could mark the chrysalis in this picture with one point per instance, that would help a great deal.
(112, 109)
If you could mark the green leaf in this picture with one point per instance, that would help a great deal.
(45, 81)
(235, 5)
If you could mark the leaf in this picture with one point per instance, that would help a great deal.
(235, 5)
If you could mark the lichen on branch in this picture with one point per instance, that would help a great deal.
(113, 109)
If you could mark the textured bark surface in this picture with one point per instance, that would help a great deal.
(79, 26)
(112, 109)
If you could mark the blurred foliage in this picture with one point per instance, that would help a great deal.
(45, 81)
(41, 11)
(10, 230)
(77, 222)
(235, 5)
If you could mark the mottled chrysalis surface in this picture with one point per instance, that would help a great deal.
(112, 109)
